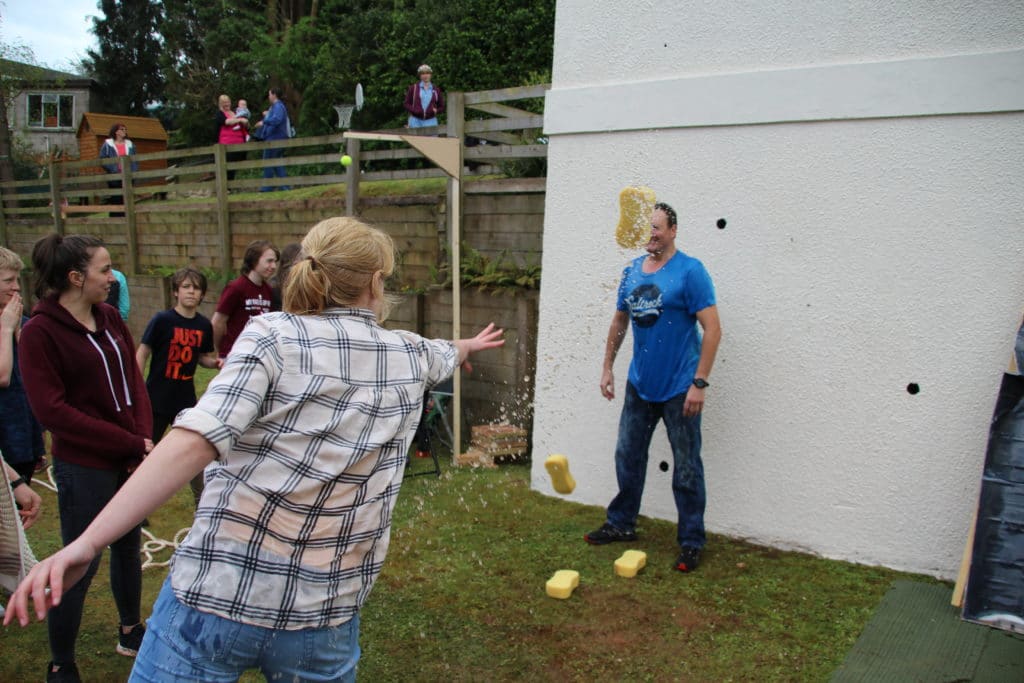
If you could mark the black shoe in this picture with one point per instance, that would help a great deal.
(688, 560)
(67, 673)
(128, 644)
(608, 534)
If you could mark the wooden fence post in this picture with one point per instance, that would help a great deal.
(127, 181)
(223, 213)
(456, 115)
(457, 130)
(352, 178)
(58, 219)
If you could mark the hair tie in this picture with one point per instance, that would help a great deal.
(312, 262)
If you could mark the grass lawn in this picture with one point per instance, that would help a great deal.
(462, 597)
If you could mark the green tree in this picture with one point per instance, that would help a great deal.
(212, 49)
(127, 63)
(316, 51)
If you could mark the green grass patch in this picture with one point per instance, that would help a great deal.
(461, 597)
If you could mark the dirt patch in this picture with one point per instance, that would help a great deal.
(615, 627)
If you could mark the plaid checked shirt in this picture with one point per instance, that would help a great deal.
(311, 418)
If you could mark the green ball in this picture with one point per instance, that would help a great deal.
(346, 160)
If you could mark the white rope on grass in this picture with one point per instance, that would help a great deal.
(155, 545)
(50, 483)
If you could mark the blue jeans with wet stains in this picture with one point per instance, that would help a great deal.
(184, 644)
(636, 426)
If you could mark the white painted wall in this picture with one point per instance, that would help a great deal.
(874, 239)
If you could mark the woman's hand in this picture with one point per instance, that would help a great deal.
(10, 318)
(488, 338)
(29, 503)
(47, 582)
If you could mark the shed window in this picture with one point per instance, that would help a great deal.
(50, 110)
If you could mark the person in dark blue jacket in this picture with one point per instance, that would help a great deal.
(275, 126)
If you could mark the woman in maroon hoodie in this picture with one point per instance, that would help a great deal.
(77, 362)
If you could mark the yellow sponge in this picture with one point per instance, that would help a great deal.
(630, 563)
(558, 467)
(635, 207)
(563, 583)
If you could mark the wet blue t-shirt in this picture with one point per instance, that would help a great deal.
(663, 308)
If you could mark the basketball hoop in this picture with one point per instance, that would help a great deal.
(344, 114)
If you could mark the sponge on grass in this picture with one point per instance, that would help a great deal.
(563, 583)
(631, 562)
(635, 207)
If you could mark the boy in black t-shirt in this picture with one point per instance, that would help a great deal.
(178, 339)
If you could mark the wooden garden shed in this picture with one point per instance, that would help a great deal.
(148, 135)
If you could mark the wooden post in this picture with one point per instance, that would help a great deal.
(220, 180)
(456, 128)
(456, 115)
(420, 313)
(352, 178)
(220, 161)
(132, 257)
(58, 220)
(455, 224)
(960, 587)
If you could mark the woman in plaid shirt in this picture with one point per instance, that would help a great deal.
(305, 431)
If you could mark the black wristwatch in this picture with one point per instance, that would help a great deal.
(701, 383)
(18, 482)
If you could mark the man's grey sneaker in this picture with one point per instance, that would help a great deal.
(688, 559)
(67, 673)
(609, 534)
(128, 644)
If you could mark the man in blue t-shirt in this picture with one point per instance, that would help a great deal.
(665, 295)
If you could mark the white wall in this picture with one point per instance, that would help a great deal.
(867, 161)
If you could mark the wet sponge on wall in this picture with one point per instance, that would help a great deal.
(635, 207)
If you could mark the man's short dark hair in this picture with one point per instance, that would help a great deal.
(669, 212)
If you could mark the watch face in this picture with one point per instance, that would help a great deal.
(700, 384)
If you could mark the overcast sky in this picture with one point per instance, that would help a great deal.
(57, 31)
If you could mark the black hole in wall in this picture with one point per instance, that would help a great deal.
(913, 388)
(663, 466)
(720, 223)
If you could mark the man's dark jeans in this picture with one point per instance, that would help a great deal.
(274, 171)
(636, 425)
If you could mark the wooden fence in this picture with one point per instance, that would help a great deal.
(74, 196)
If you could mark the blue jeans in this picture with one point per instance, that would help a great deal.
(184, 644)
(81, 493)
(274, 171)
(636, 425)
